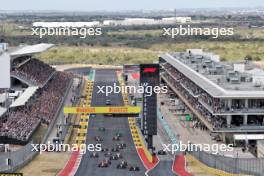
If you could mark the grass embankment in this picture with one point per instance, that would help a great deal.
(230, 51)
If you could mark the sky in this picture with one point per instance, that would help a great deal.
(116, 5)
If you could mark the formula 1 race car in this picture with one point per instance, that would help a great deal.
(98, 139)
(121, 145)
(104, 150)
(122, 165)
(101, 129)
(113, 157)
(108, 102)
(162, 152)
(134, 168)
(94, 155)
(119, 134)
(116, 138)
(118, 155)
(115, 149)
(104, 163)
(108, 154)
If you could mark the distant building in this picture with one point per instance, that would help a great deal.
(177, 20)
(66, 24)
(138, 21)
(124, 22)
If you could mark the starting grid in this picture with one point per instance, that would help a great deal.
(84, 119)
(85, 110)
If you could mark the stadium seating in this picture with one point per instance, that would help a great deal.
(192, 93)
(21, 122)
(35, 71)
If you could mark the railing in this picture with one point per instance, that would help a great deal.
(252, 166)
(18, 158)
(167, 128)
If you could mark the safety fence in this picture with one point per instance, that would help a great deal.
(11, 161)
(251, 166)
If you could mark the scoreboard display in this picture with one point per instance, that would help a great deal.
(149, 76)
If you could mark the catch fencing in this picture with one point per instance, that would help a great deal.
(251, 166)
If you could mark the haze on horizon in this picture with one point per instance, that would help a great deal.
(122, 5)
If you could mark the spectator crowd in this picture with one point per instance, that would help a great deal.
(21, 122)
(34, 71)
(207, 105)
(192, 93)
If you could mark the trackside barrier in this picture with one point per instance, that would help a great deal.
(19, 158)
(167, 128)
(57, 113)
(250, 166)
(23, 156)
(73, 163)
(208, 169)
(179, 159)
(72, 117)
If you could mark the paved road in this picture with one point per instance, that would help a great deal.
(164, 166)
(88, 166)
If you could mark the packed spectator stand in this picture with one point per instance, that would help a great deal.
(34, 71)
(21, 122)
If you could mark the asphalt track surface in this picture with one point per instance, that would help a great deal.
(89, 166)
(164, 168)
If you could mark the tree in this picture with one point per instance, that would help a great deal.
(248, 57)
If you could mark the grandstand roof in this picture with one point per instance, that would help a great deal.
(29, 50)
(210, 86)
(21, 100)
(2, 111)
(2, 98)
(248, 136)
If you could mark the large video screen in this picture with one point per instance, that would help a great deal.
(149, 76)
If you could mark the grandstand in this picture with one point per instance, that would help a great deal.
(36, 92)
(225, 98)
(33, 71)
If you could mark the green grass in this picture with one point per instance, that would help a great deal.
(250, 33)
(230, 51)
(40, 132)
(97, 55)
(13, 29)
(244, 33)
